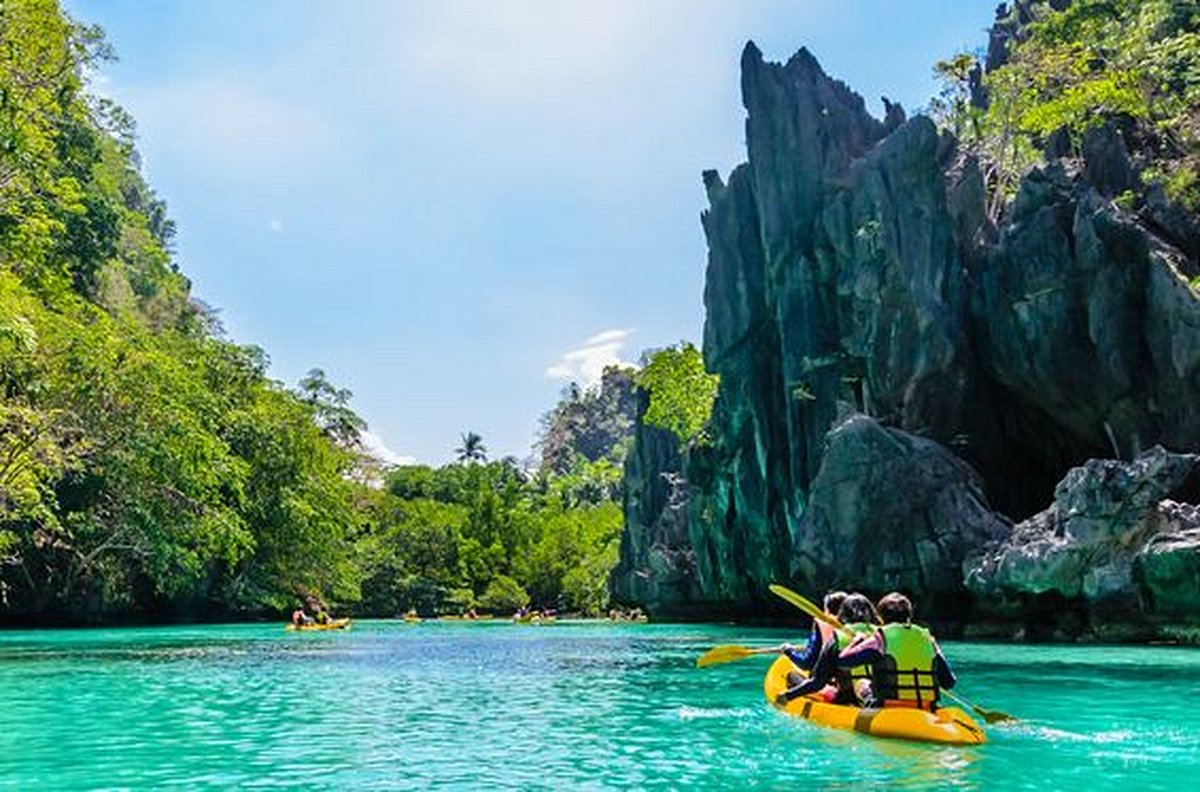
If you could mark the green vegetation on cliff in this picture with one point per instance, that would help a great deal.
(681, 390)
(1133, 62)
(591, 424)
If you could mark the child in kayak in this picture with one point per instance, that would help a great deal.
(858, 618)
(820, 635)
(907, 666)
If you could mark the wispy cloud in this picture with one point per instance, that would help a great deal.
(231, 123)
(542, 87)
(376, 447)
(585, 364)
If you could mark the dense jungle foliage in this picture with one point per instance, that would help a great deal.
(1134, 64)
(146, 465)
(494, 536)
(150, 468)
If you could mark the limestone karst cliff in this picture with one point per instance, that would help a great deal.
(903, 378)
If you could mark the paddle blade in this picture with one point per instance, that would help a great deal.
(989, 716)
(723, 654)
(803, 603)
(993, 716)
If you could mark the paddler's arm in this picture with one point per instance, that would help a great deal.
(807, 658)
(822, 674)
(941, 670)
(865, 650)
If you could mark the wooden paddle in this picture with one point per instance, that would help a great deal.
(727, 653)
(806, 605)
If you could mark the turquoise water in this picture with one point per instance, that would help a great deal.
(390, 706)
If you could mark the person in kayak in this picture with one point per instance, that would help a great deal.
(907, 666)
(319, 611)
(838, 686)
(820, 635)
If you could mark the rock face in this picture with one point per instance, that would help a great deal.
(853, 270)
(1112, 539)
(890, 510)
(657, 563)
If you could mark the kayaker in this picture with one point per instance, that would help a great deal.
(907, 666)
(820, 635)
(858, 618)
(320, 614)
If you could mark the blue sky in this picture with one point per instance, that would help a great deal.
(455, 206)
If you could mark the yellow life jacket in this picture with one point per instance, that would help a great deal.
(905, 676)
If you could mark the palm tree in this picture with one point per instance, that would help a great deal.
(472, 449)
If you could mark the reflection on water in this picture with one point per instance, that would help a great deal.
(388, 705)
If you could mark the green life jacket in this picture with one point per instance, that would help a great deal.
(845, 678)
(906, 672)
(856, 629)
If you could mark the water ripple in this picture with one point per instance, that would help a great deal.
(589, 706)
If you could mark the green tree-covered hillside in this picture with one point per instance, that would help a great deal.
(1134, 64)
(146, 465)
(151, 469)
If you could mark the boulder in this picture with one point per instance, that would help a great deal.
(1112, 546)
(893, 511)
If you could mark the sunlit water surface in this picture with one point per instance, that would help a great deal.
(391, 705)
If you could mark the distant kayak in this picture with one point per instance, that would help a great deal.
(948, 725)
(486, 617)
(534, 618)
(336, 624)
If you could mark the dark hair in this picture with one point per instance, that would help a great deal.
(855, 609)
(833, 601)
(895, 607)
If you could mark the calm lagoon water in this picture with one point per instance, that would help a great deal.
(390, 705)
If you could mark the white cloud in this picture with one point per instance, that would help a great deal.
(586, 363)
(276, 225)
(374, 445)
(608, 337)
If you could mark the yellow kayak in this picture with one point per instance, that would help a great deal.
(534, 618)
(948, 725)
(336, 624)
(485, 617)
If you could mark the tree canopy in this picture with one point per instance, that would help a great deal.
(681, 390)
(1135, 63)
